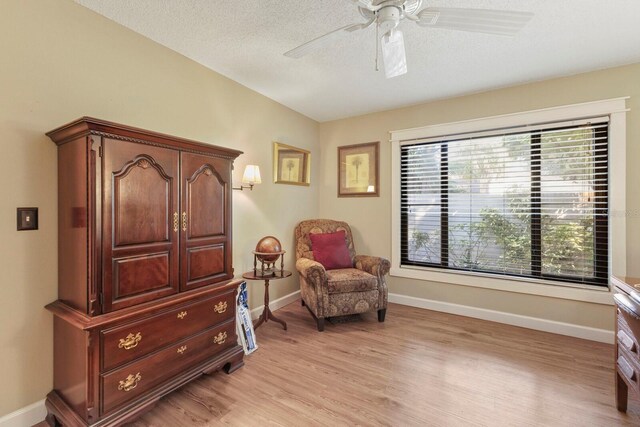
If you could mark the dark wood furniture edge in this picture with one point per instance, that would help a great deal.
(626, 283)
(92, 126)
(81, 320)
(59, 413)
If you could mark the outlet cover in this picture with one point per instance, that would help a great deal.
(27, 219)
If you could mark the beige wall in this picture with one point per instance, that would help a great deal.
(61, 61)
(371, 217)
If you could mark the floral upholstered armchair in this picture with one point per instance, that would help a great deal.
(355, 288)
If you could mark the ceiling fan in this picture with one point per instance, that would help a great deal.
(387, 14)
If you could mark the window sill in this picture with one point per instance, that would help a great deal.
(569, 291)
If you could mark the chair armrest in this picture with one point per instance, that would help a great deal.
(372, 264)
(312, 271)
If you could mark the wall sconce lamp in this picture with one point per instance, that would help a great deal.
(251, 177)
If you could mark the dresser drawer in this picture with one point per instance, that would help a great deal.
(628, 368)
(126, 343)
(124, 384)
(626, 340)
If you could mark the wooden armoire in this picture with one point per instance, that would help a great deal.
(146, 296)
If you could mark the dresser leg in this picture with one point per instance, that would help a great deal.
(622, 391)
(51, 420)
(235, 363)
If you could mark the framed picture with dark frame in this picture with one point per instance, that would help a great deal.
(358, 167)
(291, 165)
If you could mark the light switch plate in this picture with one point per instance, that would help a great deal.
(27, 219)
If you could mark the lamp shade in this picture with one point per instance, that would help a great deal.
(251, 175)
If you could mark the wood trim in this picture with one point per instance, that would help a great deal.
(543, 115)
(85, 322)
(92, 126)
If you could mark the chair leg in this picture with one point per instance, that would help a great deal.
(320, 322)
(381, 314)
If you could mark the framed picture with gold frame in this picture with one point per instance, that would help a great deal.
(291, 165)
(358, 167)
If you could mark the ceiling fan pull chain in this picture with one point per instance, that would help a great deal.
(377, 47)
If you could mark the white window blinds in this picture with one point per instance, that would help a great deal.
(528, 201)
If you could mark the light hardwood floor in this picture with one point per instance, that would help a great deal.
(418, 368)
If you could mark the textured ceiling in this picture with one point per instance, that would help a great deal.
(245, 39)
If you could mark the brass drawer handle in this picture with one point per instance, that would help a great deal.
(626, 341)
(220, 307)
(182, 349)
(182, 315)
(176, 222)
(184, 221)
(220, 338)
(130, 382)
(626, 369)
(131, 341)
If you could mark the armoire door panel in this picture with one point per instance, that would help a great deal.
(142, 211)
(205, 200)
(140, 231)
(205, 190)
(205, 262)
(133, 276)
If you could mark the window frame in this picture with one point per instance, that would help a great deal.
(601, 273)
(615, 109)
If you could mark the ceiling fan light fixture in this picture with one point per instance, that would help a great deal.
(388, 18)
(393, 54)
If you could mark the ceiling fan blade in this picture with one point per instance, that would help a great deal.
(316, 43)
(367, 4)
(501, 22)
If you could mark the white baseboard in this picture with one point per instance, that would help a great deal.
(569, 329)
(25, 417)
(276, 304)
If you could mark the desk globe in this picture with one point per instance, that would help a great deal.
(268, 250)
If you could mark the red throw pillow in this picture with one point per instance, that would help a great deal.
(330, 250)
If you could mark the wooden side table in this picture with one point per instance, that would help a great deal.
(266, 313)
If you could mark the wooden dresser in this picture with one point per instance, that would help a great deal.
(627, 299)
(146, 296)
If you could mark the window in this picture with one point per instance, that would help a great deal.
(529, 202)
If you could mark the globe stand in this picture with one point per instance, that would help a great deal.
(267, 265)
